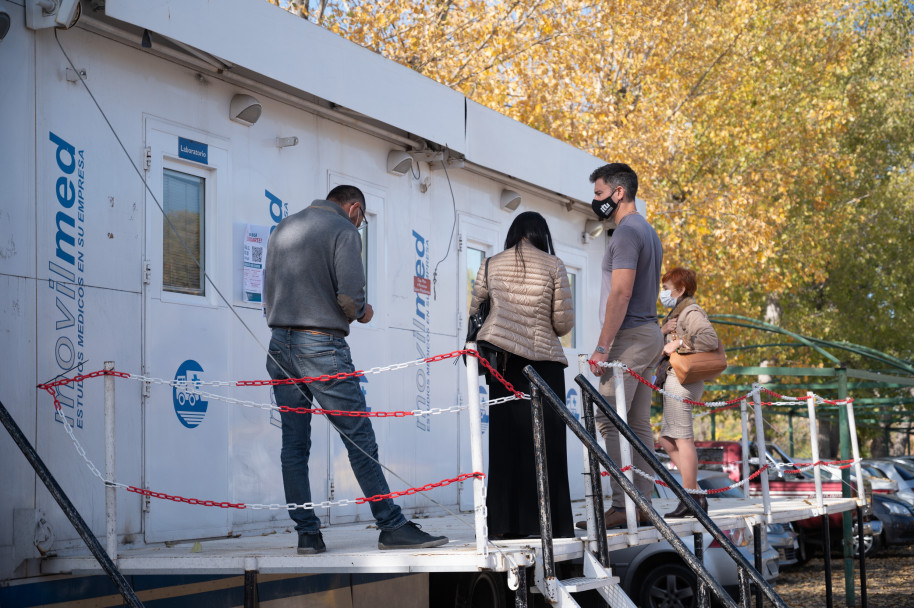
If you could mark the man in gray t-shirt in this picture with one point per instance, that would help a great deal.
(631, 272)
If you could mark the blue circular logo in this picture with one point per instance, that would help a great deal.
(189, 406)
(571, 400)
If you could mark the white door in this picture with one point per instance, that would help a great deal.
(479, 240)
(367, 343)
(185, 331)
(574, 342)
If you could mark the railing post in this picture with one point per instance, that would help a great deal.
(861, 495)
(757, 551)
(744, 443)
(844, 451)
(550, 590)
(110, 467)
(826, 546)
(862, 557)
(625, 448)
(596, 526)
(520, 596)
(744, 589)
(814, 446)
(479, 488)
(251, 599)
(762, 449)
(698, 548)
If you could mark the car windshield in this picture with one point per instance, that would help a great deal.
(872, 471)
(905, 471)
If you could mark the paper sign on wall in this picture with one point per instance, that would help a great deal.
(255, 255)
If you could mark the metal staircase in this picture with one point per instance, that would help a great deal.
(597, 572)
(596, 577)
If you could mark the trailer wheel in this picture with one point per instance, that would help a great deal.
(482, 590)
(669, 585)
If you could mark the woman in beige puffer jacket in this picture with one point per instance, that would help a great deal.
(531, 306)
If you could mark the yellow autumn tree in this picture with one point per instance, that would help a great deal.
(739, 116)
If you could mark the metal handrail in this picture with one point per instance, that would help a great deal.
(541, 391)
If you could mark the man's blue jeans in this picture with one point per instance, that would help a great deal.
(298, 354)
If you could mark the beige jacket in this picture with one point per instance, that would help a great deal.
(531, 309)
(695, 331)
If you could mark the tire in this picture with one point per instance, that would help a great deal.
(804, 550)
(668, 585)
(482, 590)
(870, 544)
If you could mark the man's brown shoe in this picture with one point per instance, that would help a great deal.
(615, 518)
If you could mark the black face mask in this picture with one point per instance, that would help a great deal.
(605, 208)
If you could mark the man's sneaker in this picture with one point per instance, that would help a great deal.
(409, 536)
(309, 544)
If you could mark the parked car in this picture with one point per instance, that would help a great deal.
(783, 539)
(784, 484)
(901, 473)
(654, 575)
(897, 519)
(780, 537)
(909, 459)
(879, 482)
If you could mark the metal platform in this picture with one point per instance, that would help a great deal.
(353, 548)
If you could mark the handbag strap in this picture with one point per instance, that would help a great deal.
(487, 275)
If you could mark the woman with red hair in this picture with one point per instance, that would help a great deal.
(686, 330)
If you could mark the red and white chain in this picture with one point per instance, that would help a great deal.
(787, 400)
(184, 386)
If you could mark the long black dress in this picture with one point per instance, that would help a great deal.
(511, 499)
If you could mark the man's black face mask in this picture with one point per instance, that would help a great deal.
(604, 208)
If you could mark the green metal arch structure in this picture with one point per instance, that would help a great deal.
(891, 375)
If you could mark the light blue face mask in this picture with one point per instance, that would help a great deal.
(667, 299)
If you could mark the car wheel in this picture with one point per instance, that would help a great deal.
(668, 586)
(870, 544)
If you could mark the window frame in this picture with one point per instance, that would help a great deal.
(374, 259)
(201, 253)
(576, 264)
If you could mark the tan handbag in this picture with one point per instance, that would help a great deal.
(699, 366)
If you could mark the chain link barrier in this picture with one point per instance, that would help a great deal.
(718, 405)
(194, 388)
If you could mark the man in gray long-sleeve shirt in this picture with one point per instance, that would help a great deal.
(314, 287)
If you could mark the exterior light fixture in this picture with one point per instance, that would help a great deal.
(399, 162)
(592, 229)
(245, 109)
(510, 200)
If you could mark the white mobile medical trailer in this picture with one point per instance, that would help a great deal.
(231, 115)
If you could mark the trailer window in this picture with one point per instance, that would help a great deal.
(182, 233)
(363, 235)
(568, 340)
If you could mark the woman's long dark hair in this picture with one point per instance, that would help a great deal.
(532, 226)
